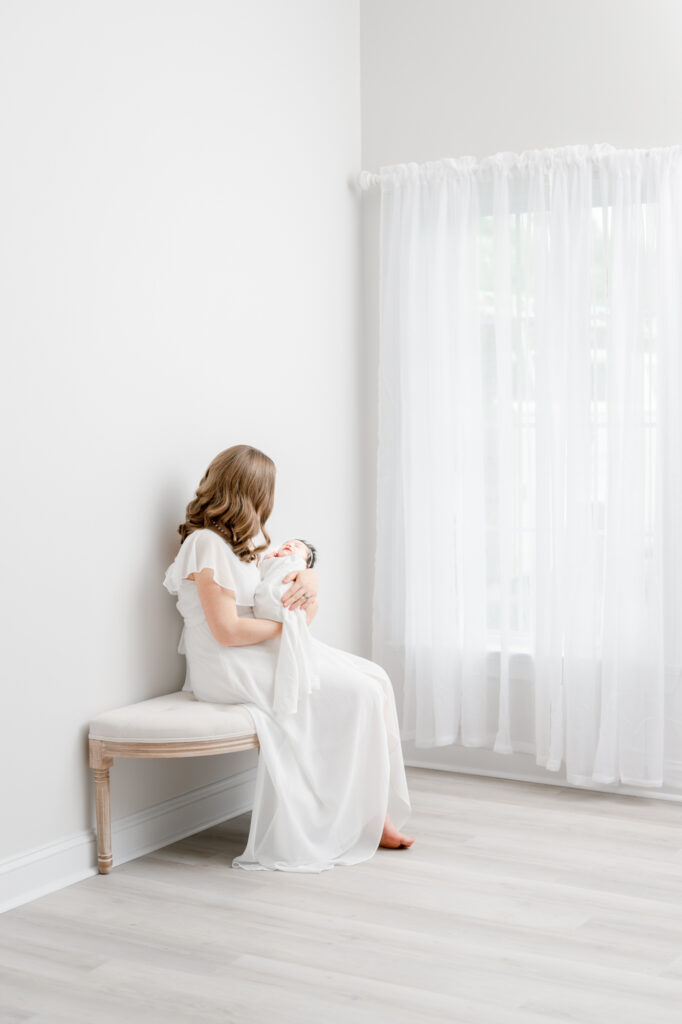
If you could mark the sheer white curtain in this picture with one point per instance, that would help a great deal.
(529, 465)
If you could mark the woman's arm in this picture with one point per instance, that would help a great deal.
(305, 582)
(220, 609)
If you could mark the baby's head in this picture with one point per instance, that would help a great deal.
(298, 547)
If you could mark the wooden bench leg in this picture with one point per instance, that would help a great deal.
(100, 765)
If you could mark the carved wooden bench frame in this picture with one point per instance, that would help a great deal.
(103, 752)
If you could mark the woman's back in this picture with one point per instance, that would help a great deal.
(208, 661)
(204, 549)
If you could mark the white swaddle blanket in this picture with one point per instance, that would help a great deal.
(296, 672)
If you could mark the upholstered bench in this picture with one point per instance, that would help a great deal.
(174, 725)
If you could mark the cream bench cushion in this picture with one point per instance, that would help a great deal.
(173, 725)
(174, 716)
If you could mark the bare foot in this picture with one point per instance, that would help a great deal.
(392, 839)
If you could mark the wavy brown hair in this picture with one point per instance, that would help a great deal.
(234, 499)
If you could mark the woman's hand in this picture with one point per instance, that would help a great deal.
(303, 588)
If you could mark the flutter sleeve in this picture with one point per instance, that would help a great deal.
(204, 549)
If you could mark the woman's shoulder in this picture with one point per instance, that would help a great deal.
(208, 540)
(209, 536)
(202, 549)
(202, 532)
(204, 535)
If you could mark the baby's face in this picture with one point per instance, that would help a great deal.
(292, 547)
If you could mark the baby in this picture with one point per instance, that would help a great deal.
(295, 547)
(296, 672)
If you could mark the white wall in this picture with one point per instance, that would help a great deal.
(445, 78)
(178, 273)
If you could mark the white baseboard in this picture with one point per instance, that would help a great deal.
(660, 793)
(55, 865)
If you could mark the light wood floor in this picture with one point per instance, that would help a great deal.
(518, 904)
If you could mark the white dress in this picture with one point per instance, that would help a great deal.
(328, 774)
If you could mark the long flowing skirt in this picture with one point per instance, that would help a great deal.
(327, 774)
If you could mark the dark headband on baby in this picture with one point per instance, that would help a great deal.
(312, 557)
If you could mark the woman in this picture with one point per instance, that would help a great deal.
(330, 784)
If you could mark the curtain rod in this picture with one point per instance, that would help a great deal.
(366, 180)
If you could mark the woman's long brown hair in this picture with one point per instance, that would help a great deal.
(234, 499)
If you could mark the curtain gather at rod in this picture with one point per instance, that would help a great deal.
(598, 154)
